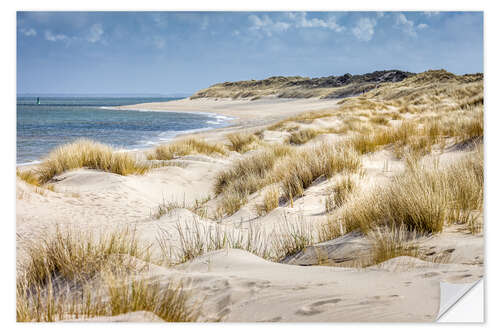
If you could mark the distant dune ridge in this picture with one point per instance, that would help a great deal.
(303, 87)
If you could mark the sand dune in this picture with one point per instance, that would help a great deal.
(331, 280)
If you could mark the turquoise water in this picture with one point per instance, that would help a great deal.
(59, 120)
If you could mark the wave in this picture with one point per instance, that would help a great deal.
(164, 137)
(203, 113)
(28, 163)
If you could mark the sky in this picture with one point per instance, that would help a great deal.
(181, 52)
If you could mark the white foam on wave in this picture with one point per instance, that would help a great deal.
(167, 136)
(28, 163)
(210, 114)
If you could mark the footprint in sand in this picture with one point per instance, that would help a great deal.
(379, 299)
(459, 278)
(272, 320)
(312, 309)
(428, 275)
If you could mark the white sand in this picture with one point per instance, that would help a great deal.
(268, 108)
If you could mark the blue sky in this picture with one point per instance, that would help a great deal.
(174, 52)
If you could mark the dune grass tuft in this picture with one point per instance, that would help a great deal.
(242, 141)
(286, 238)
(302, 136)
(78, 275)
(339, 193)
(298, 171)
(293, 169)
(87, 154)
(231, 202)
(250, 174)
(115, 295)
(291, 238)
(28, 176)
(388, 243)
(197, 207)
(269, 202)
(79, 256)
(196, 239)
(422, 199)
(169, 302)
(185, 147)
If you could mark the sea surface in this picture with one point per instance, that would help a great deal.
(59, 120)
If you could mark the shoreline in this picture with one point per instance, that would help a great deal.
(219, 120)
(266, 108)
(237, 115)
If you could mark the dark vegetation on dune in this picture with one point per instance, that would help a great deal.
(303, 87)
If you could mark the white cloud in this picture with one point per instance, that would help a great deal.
(403, 23)
(422, 26)
(28, 32)
(267, 25)
(96, 33)
(364, 29)
(291, 20)
(301, 21)
(55, 38)
(380, 14)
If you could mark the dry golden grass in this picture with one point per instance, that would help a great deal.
(388, 243)
(290, 238)
(465, 181)
(415, 199)
(304, 118)
(28, 176)
(170, 302)
(422, 199)
(269, 202)
(76, 275)
(79, 256)
(242, 142)
(197, 207)
(250, 174)
(87, 154)
(298, 171)
(294, 169)
(302, 136)
(113, 296)
(185, 147)
(231, 202)
(455, 101)
(379, 120)
(196, 239)
(339, 193)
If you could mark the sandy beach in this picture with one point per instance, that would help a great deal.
(328, 280)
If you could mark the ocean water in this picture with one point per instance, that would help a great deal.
(59, 120)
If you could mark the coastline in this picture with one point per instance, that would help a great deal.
(241, 110)
(218, 121)
(236, 115)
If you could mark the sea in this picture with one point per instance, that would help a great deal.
(59, 120)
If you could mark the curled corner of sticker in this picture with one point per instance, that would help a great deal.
(451, 295)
